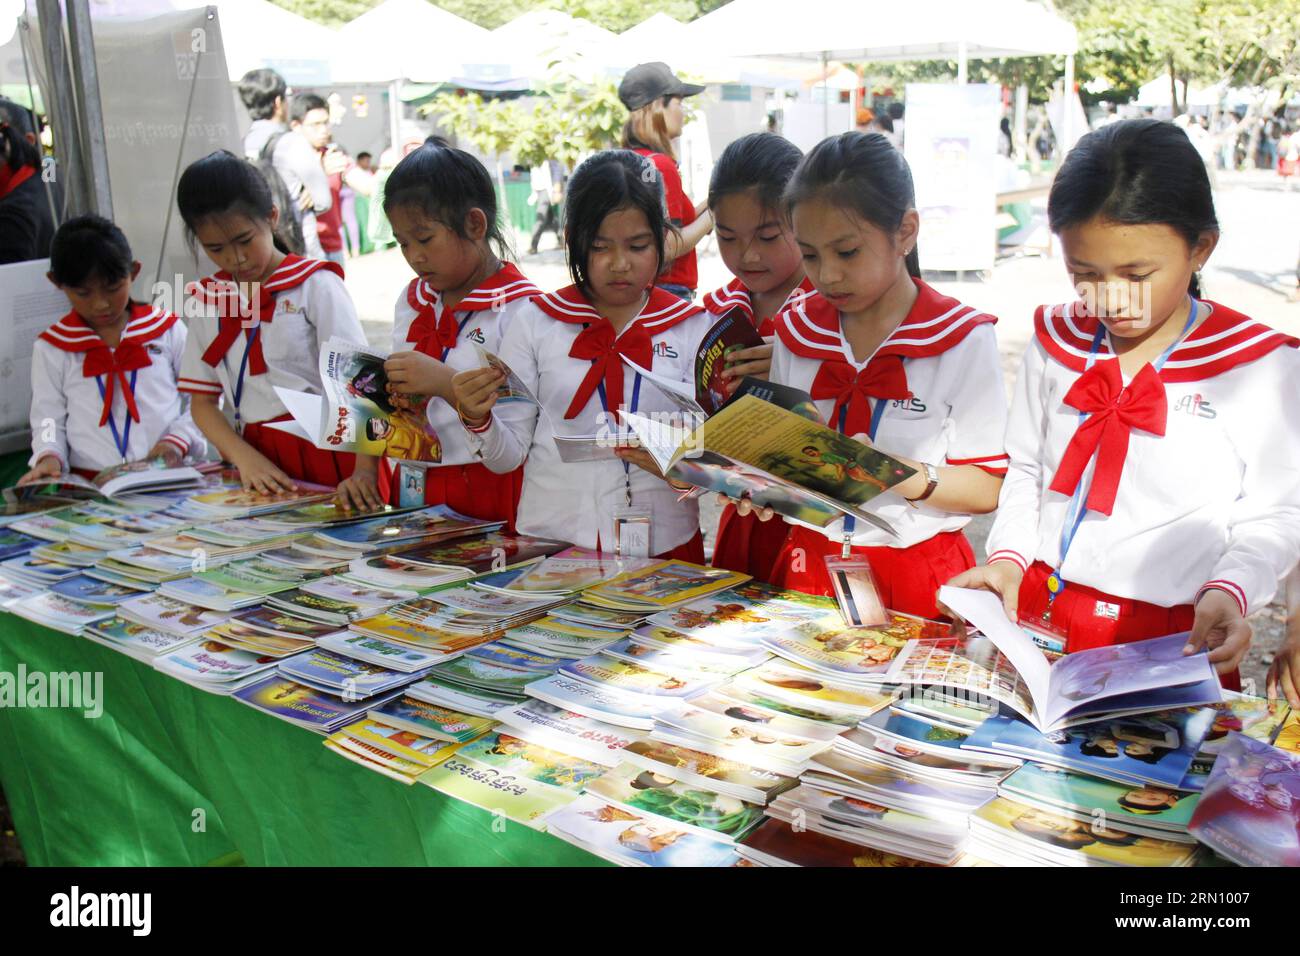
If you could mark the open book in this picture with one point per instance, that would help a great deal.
(780, 459)
(134, 477)
(1134, 678)
(357, 413)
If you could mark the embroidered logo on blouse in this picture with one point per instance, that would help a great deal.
(1198, 406)
(665, 350)
(477, 336)
(912, 404)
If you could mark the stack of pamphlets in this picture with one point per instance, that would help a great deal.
(857, 655)
(215, 667)
(560, 636)
(717, 774)
(629, 838)
(59, 613)
(660, 586)
(87, 590)
(778, 843)
(237, 503)
(512, 777)
(575, 569)
(136, 640)
(680, 805)
(398, 753)
(304, 706)
(236, 634)
(382, 653)
(344, 676)
(481, 553)
(568, 732)
(430, 720)
(166, 614)
(37, 572)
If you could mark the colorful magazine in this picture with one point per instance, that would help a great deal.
(1250, 810)
(664, 584)
(636, 711)
(852, 652)
(635, 839)
(630, 678)
(700, 811)
(1145, 806)
(706, 770)
(430, 719)
(512, 794)
(566, 731)
(1256, 717)
(302, 705)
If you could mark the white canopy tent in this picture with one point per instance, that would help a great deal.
(919, 30)
(407, 40)
(533, 44)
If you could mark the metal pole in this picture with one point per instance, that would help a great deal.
(62, 107)
(394, 113)
(86, 77)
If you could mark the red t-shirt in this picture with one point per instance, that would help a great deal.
(681, 211)
(329, 224)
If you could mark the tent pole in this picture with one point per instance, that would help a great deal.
(99, 195)
(62, 107)
(1067, 107)
(963, 65)
(395, 112)
(826, 99)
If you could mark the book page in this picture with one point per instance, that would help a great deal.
(984, 610)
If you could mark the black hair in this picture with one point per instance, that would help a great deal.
(445, 183)
(258, 91)
(884, 121)
(221, 183)
(1154, 755)
(760, 162)
(364, 154)
(612, 179)
(1135, 172)
(15, 123)
(862, 172)
(896, 111)
(1090, 749)
(87, 246)
(304, 103)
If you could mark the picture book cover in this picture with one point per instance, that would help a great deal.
(742, 739)
(520, 757)
(408, 745)
(748, 716)
(290, 700)
(396, 656)
(667, 583)
(677, 660)
(480, 673)
(169, 614)
(633, 678)
(353, 593)
(565, 728)
(271, 621)
(483, 552)
(702, 811)
(213, 661)
(1250, 809)
(810, 689)
(901, 726)
(871, 817)
(240, 635)
(88, 590)
(1153, 748)
(132, 637)
(514, 795)
(853, 651)
(1142, 804)
(573, 569)
(741, 615)
(635, 839)
(383, 530)
(681, 762)
(1257, 717)
(627, 710)
(334, 670)
(440, 722)
(359, 414)
(1056, 832)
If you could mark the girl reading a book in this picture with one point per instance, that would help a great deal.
(443, 208)
(892, 362)
(758, 248)
(1150, 490)
(264, 316)
(568, 348)
(104, 376)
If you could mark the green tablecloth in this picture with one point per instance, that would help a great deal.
(123, 789)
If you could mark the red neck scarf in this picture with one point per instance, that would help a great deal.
(883, 378)
(434, 330)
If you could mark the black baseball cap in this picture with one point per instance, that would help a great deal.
(646, 82)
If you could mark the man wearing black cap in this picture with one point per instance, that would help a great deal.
(653, 95)
(26, 220)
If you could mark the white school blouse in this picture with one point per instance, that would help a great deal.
(955, 414)
(1215, 502)
(453, 337)
(67, 406)
(308, 305)
(577, 501)
(735, 295)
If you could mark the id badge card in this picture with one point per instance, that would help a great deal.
(855, 591)
(410, 489)
(1045, 633)
(632, 533)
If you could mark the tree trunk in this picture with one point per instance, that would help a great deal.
(1173, 85)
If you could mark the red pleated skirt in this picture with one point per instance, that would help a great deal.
(1074, 613)
(473, 490)
(297, 457)
(748, 545)
(907, 579)
(691, 550)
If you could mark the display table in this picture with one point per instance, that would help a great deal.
(123, 789)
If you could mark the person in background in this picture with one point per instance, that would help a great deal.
(364, 161)
(310, 118)
(27, 217)
(1284, 673)
(548, 191)
(896, 117)
(653, 96)
(263, 94)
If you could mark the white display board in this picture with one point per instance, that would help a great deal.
(952, 147)
(29, 305)
(807, 124)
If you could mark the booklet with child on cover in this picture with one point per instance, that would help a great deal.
(779, 458)
(358, 412)
(1131, 678)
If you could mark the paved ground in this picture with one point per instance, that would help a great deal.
(1253, 271)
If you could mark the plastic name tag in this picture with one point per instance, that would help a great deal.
(1045, 633)
(632, 527)
(410, 490)
(855, 590)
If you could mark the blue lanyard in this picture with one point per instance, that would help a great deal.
(243, 366)
(604, 404)
(877, 413)
(1077, 509)
(459, 329)
(124, 439)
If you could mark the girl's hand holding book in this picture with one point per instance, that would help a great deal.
(169, 453)
(745, 506)
(258, 474)
(45, 469)
(635, 455)
(754, 362)
(1220, 626)
(414, 373)
(360, 491)
(1284, 673)
(475, 392)
(1001, 577)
